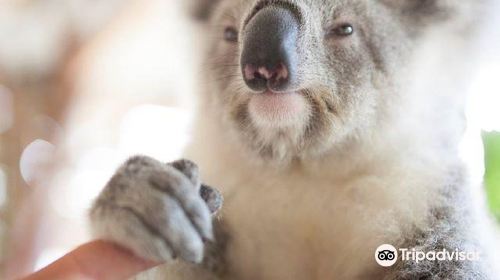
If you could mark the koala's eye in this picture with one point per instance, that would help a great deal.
(231, 34)
(342, 30)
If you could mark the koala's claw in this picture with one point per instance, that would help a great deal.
(156, 210)
(212, 197)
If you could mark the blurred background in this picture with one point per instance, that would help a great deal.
(85, 84)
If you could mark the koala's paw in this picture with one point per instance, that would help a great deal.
(156, 210)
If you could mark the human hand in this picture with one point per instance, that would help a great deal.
(94, 260)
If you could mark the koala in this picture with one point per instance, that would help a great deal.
(327, 128)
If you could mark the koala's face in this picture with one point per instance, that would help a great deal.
(297, 78)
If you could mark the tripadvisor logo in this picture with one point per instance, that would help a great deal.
(387, 255)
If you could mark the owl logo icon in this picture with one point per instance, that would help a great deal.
(386, 255)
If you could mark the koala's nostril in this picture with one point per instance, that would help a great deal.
(250, 72)
(269, 55)
(258, 78)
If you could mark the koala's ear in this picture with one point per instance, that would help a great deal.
(202, 9)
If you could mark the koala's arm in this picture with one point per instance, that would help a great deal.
(161, 212)
(452, 226)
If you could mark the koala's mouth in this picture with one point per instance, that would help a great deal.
(280, 109)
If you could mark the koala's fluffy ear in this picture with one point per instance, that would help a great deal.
(202, 9)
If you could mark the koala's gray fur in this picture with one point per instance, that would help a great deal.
(369, 157)
(450, 227)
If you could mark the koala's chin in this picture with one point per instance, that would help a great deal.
(279, 110)
(272, 126)
(280, 120)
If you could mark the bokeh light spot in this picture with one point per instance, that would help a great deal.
(35, 157)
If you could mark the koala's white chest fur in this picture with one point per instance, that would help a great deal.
(312, 226)
(297, 230)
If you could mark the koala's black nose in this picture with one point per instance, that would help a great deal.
(269, 55)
